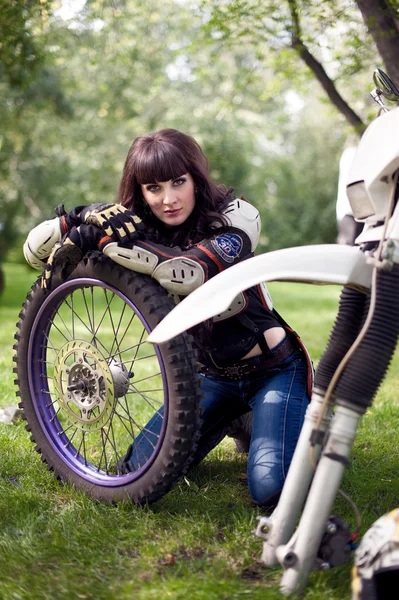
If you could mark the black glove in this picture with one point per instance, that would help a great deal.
(119, 223)
(67, 254)
(69, 220)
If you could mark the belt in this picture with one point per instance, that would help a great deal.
(242, 368)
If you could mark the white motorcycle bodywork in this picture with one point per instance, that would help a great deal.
(370, 182)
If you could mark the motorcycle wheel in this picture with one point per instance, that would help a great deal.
(89, 383)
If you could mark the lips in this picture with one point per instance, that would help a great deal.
(172, 213)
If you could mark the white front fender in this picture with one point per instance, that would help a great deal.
(320, 264)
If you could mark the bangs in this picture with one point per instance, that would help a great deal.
(159, 161)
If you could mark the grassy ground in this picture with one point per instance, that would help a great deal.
(194, 543)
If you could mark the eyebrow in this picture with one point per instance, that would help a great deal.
(158, 182)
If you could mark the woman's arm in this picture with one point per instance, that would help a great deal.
(181, 271)
(115, 221)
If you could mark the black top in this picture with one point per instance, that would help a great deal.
(232, 338)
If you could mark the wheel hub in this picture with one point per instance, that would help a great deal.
(84, 385)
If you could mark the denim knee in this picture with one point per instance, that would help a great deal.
(264, 487)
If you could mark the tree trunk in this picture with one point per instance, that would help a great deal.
(381, 20)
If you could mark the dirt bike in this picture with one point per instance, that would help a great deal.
(89, 382)
(361, 344)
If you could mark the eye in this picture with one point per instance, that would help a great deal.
(179, 181)
(152, 187)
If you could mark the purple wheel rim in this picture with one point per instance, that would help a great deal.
(56, 433)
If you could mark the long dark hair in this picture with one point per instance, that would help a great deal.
(164, 155)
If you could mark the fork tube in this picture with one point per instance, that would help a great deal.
(281, 523)
(278, 528)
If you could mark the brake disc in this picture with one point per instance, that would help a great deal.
(84, 385)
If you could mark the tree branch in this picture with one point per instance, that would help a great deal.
(318, 70)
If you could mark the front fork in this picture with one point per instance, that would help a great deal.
(353, 394)
(298, 557)
(277, 528)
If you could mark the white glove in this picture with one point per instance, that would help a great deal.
(40, 242)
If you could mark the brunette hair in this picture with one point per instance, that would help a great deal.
(164, 155)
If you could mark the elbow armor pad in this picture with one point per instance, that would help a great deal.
(243, 215)
(136, 259)
(178, 275)
(40, 242)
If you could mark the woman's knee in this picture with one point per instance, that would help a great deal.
(270, 501)
(265, 486)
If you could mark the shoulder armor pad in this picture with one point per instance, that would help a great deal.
(243, 215)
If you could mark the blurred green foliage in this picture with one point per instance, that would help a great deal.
(113, 71)
(22, 39)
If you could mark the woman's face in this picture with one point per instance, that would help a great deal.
(173, 201)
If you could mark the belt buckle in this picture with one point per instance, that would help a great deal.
(234, 371)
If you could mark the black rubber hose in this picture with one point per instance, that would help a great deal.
(366, 369)
(346, 328)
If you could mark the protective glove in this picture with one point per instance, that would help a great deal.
(67, 254)
(70, 219)
(119, 223)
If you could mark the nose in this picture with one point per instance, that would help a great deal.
(169, 197)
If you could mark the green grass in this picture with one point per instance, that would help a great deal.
(196, 542)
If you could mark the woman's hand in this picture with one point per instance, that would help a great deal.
(66, 254)
(115, 220)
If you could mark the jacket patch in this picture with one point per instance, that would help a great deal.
(228, 246)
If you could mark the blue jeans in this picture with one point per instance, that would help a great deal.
(278, 398)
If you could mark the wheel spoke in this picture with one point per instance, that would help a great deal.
(130, 368)
(59, 330)
(72, 316)
(148, 399)
(49, 341)
(112, 443)
(69, 443)
(46, 362)
(122, 420)
(116, 331)
(58, 314)
(132, 347)
(78, 452)
(104, 313)
(87, 309)
(144, 357)
(103, 452)
(136, 381)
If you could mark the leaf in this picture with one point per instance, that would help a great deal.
(192, 485)
(169, 559)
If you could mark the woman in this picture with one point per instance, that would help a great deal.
(192, 228)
